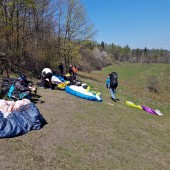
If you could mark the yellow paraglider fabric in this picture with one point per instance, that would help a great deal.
(133, 105)
(89, 89)
(63, 85)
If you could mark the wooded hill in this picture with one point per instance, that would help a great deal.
(41, 33)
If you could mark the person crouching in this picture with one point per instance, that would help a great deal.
(46, 74)
(22, 89)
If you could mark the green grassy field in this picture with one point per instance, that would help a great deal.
(135, 139)
(83, 134)
(133, 83)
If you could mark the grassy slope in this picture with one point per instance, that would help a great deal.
(83, 134)
(135, 138)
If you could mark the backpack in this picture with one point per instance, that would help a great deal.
(113, 80)
(6, 84)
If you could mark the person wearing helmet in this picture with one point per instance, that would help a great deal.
(23, 79)
(22, 88)
(46, 75)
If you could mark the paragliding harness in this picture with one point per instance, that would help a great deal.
(8, 89)
(113, 80)
(6, 85)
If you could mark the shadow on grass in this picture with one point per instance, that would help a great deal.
(90, 78)
(59, 89)
(36, 99)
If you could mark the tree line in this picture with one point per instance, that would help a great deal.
(38, 33)
(138, 55)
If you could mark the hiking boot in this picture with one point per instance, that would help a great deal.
(113, 99)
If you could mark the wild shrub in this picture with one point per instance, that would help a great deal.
(152, 83)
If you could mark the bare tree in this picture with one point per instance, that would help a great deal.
(73, 28)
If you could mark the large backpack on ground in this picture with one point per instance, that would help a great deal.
(6, 84)
(113, 80)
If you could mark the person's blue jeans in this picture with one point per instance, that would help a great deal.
(112, 92)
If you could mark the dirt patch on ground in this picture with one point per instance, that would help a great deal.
(36, 149)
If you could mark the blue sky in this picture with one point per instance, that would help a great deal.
(137, 23)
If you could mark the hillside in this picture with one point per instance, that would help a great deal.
(82, 134)
(93, 59)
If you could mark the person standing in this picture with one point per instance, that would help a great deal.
(46, 74)
(61, 68)
(75, 70)
(70, 69)
(112, 84)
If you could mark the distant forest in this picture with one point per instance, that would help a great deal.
(42, 33)
(136, 55)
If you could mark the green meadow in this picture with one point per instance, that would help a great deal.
(133, 138)
(133, 81)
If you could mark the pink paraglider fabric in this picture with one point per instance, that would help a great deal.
(149, 110)
(145, 108)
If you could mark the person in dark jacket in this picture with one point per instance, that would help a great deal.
(61, 68)
(46, 74)
(22, 89)
(112, 84)
(75, 71)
